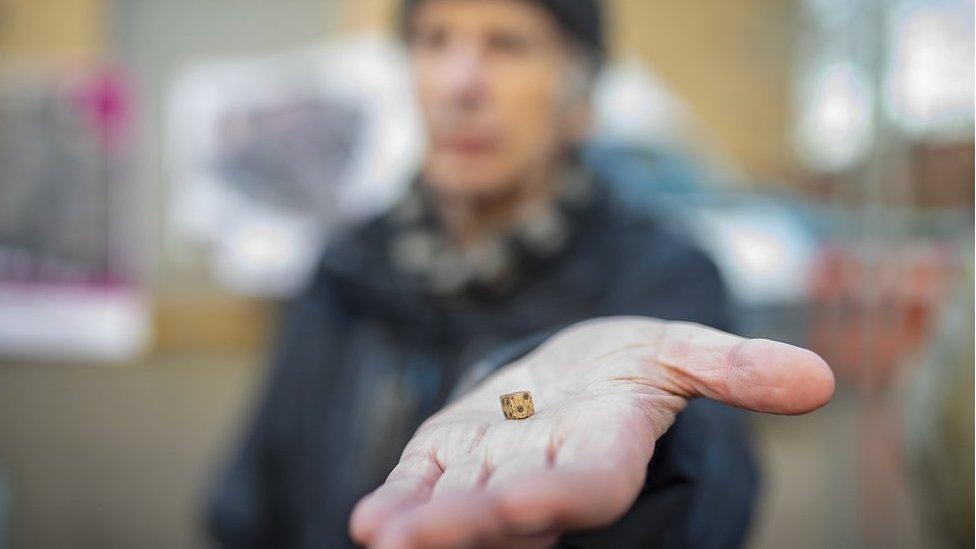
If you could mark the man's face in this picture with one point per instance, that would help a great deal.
(492, 79)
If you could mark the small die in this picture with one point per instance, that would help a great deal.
(517, 405)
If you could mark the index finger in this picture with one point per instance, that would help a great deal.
(408, 486)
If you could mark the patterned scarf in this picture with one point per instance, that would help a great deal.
(495, 263)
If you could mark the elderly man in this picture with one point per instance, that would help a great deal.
(505, 239)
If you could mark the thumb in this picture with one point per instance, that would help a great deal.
(756, 374)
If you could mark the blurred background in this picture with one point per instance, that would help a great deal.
(169, 171)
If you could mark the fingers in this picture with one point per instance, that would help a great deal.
(592, 476)
(529, 496)
(408, 486)
(554, 499)
(757, 374)
(452, 519)
(526, 502)
(457, 519)
(525, 510)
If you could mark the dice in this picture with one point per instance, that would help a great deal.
(517, 405)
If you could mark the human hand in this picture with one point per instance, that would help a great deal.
(604, 391)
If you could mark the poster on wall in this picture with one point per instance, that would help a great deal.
(272, 156)
(70, 284)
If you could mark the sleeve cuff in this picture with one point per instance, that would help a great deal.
(507, 354)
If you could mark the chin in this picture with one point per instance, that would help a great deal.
(474, 179)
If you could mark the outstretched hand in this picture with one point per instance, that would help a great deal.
(605, 391)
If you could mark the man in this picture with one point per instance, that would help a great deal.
(504, 239)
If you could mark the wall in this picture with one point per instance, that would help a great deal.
(100, 456)
(729, 61)
(51, 30)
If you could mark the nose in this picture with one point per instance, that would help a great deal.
(463, 79)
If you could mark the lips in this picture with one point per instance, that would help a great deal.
(467, 143)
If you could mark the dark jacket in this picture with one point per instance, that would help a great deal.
(366, 354)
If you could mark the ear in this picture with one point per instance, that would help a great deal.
(577, 121)
(576, 101)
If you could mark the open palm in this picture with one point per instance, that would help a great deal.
(605, 391)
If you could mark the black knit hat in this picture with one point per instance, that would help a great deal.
(581, 19)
